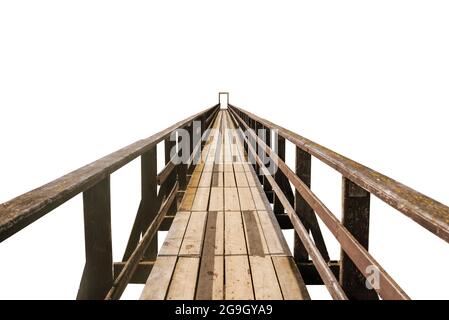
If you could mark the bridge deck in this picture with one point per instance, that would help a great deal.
(224, 242)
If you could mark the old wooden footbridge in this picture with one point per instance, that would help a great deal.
(224, 211)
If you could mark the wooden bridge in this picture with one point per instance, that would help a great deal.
(224, 208)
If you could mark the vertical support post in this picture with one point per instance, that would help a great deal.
(170, 182)
(97, 276)
(149, 203)
(191, 166)
(256, 145)
(182, 167)
(266, 185)
(356, 205)
(303, 166)
(278, 208)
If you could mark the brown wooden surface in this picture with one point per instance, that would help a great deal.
(224, 247)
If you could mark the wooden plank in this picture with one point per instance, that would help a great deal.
(201, 199)
(219, 167)
(216, 199)
(217, 179)
(273, 234)
(182, 286)
(187, 200)
(214, 236)
(194, 180)
(251, 178)
(211, 278)
(193, 237)
(206, 179)
(258, 200)
(234, 234)
(265, 283)
(231, 199)
(159, 280)
(174, 237)
(229, 179)
(290, 280)
(238, 167)
(238, 278)
(255, 238)
(240, 178)
(246, 199)
(228, 166)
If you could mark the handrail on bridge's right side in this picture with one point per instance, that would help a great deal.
(356, 264)
(429, 213)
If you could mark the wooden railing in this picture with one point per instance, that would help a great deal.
(298, 208)
(345, 278)
(102, 278)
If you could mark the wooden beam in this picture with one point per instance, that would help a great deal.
(149, 204)
(356, 205)
(141, 274)
(149, 198)
(303, 168)
(310, 274)
(97, 275)
(280, 151)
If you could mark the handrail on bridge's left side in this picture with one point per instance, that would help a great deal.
(101, 275)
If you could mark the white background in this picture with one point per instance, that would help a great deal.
(80, 79)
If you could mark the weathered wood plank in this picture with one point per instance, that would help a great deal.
(265, 282)
(192, 242)
(216, 199)
(273, 234)
(201, 199)
(231, 199)
(255, 238)
(187, 200)
(238, 278)
(234, 233)
(290, 280)
(258, 200)
(206, 179)
(229, 180)
(211, 278)
(183, 284)
(175, 235)
(246, 199)
(240, 178)
(214, 236)
(159, 280)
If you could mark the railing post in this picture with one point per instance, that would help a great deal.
(256, 145)
(97, 276)
(191, 165)
(182, 167)
(149, 203)
(266, 186)
(356, 207)
(278, 208)
(168, 145)
(303, 165)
